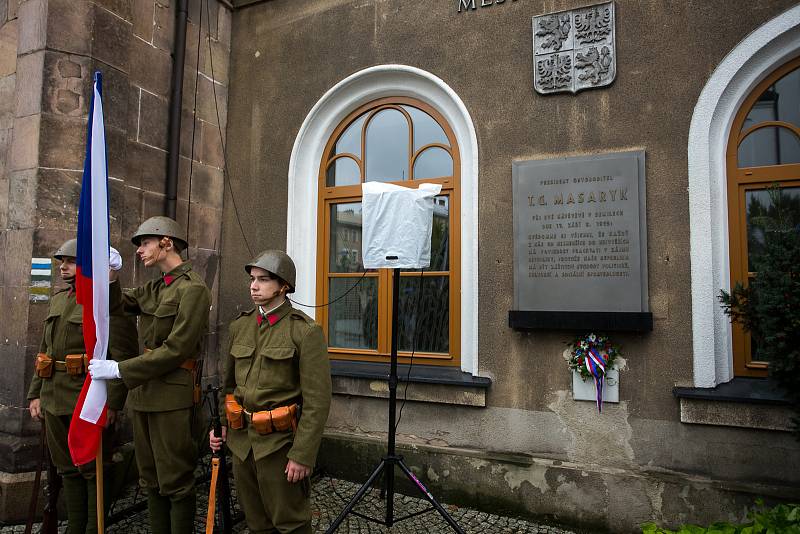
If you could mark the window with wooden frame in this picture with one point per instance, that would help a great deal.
(405, 142)
(763, 150)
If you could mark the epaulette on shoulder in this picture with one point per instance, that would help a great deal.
(245, 312)
(61, 290)
(301, 316)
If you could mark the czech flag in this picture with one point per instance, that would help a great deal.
(91, 284)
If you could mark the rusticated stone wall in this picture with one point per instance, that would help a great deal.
(49, 50)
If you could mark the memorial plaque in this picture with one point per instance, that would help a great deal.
(580, 236)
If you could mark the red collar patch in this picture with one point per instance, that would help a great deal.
(272, 318)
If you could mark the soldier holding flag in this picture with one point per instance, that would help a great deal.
(58, 377)
(173, 312)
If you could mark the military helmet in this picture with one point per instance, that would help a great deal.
(161, 226)
(69, 248)
(278, 263)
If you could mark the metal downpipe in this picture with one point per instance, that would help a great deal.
(175, 105)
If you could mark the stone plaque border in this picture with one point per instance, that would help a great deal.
(600, 321)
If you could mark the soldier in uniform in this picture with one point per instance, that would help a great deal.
(277, 366)
(163, 382)
(58, 378)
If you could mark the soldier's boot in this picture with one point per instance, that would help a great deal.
(182, 514)
(158, 508)
(75, 500)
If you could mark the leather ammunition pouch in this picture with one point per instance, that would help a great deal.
(276, 420)
(265, 422)
(75, 364)
(233, 412)
(44, 365)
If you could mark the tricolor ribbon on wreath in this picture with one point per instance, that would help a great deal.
(596, 365)
(590, 357)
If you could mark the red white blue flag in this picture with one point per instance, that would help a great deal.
(91, 284)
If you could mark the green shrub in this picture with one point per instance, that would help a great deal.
(769, 308)
(781, 519)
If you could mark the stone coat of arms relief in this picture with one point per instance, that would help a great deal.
(574, 50)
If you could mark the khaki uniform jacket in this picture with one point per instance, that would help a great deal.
(63, 334)
(173, 322)
(276, 365)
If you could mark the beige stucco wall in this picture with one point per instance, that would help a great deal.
(287, 54)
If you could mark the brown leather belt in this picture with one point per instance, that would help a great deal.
(72, 364)
(278, 419)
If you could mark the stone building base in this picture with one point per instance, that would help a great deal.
(581, 496)
(15, 496)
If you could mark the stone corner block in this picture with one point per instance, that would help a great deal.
(24, 153)
(32, 17)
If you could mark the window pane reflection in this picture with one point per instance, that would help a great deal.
(769, 213)
(756, 355)
(353, 320)
(440, 235)
(343, 171)
(424, 309)
(779, 102)
(769, 146)
(773, 146)
(345, 244)
(426, 130)
(434, 162)
(350, 141)
(386, 149)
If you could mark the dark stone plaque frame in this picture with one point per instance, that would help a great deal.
(597, 321)
(638, 319)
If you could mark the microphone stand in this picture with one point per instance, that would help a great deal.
(392, 459)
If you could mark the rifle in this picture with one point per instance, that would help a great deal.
(219, 475)
(50, 513)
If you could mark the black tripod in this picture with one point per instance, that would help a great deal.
(391, 459)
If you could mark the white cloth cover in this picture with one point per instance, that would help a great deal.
(397, 221)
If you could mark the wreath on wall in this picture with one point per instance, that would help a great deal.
(591, 356)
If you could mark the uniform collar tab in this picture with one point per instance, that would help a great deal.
(274, 315)
(177, 272)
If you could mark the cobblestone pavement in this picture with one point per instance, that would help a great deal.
(329, 496)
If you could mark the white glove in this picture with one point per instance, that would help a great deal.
(114, 259)
(104, 369)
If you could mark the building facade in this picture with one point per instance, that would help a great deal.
(314, 97)
(326, 94)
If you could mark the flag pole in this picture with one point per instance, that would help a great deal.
(98, 465)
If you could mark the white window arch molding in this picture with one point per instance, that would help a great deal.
(357, 89)
(761, 52)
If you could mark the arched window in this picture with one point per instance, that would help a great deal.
(763, 150)
(406, 142)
